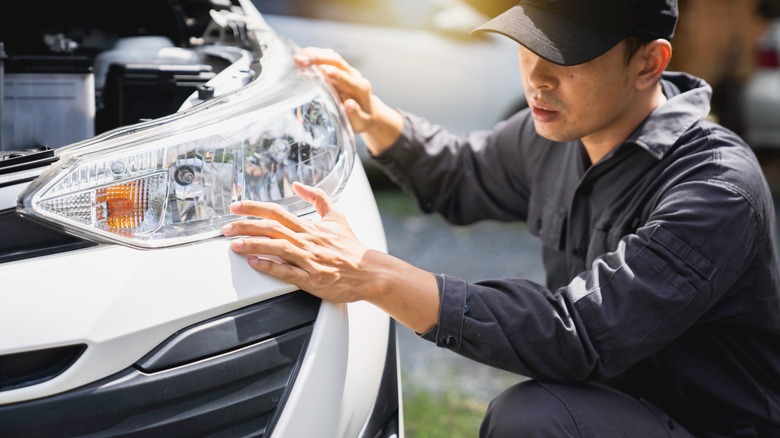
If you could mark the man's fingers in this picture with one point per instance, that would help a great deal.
(353, 89)
(267, 210)
(355, 95)
(262, 228)
(282, 223)
(358, 118)
(309, 56)
(283, 271)
(314, 196)
(343, 80)
(283, 249)
(348, 84)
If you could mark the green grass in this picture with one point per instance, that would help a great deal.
(396, 202)
(449, 414)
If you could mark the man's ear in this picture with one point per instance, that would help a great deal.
(653, 60)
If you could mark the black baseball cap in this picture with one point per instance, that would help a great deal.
(571, 32)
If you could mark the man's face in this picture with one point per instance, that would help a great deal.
(584, 101)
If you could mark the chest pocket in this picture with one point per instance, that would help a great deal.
(547, 220)
(608, 233)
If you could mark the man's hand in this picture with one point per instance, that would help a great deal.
(378, 124)
(321, 257)
(325, 259)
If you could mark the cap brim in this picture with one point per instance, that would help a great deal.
(554, 37)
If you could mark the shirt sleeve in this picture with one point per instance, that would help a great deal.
(461, 177)
(631, 303)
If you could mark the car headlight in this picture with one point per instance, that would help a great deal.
(171, 181)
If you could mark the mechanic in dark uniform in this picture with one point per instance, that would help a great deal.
(661, 312)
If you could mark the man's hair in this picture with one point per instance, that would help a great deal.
(633, 45)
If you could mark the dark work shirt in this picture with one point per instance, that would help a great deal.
(662, 270)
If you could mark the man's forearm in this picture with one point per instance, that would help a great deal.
(407, 293)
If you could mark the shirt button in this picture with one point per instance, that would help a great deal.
(577, 252)
(448, 341)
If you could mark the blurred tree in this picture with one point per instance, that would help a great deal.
(716, 40)
(770, 8)
(491, 8)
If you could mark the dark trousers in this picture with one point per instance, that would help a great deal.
(582, 410)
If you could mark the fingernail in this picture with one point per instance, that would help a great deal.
(226, 229)
(236, 244)
(303, 59)
(258, 263)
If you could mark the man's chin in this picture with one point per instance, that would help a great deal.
(551, 134)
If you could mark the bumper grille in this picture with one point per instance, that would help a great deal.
(231, 387)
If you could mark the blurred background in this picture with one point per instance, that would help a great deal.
(419, 56)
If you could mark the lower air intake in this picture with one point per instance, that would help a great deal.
(233, 392)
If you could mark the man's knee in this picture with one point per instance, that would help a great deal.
(547, 409)
(528, 409)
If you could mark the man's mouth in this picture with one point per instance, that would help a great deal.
(543, 112)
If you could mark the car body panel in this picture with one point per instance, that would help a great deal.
(760, 98)
(761, 109)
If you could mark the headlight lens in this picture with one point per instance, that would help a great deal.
(172, 183)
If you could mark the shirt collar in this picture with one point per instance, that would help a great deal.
(688, 102)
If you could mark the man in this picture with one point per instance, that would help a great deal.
(661, 313)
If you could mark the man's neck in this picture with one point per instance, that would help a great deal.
(600, 144)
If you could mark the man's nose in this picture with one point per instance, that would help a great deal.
(539, 72)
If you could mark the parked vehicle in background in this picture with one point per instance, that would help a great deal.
(128, 127)
(418, 54)
(761, 95)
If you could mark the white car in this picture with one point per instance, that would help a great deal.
(127, 130)
(418, 54)
(761, 94)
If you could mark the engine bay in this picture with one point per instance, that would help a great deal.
(73, 70)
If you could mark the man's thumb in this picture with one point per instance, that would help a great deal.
(357, 117)
(314, 196)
